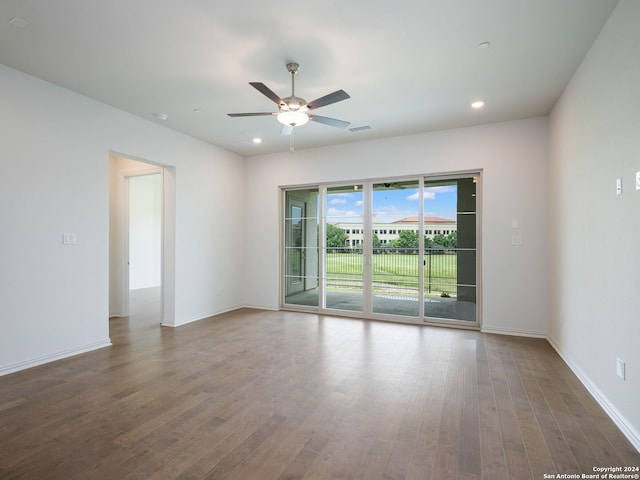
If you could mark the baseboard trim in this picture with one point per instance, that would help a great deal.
(270, 309)
(621, 422)
(179, 323)
(515, 332)
(34, 362)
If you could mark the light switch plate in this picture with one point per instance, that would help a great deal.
(514, 223)
(69, 239)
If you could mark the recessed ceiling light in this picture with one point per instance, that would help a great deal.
(256, 140)
(477, 104)
(18, 22)
(484, 45)
(161, 116)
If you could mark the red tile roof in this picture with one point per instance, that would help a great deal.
(426, 220)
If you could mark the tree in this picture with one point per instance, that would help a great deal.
(452, 240)
(376, 241)
(406, 239)
(336, 237)
(428, 243)
(439, 240)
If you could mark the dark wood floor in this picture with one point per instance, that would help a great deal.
(283, 395)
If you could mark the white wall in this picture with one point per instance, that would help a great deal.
(54, 156)
(595, 278)
(513, 156)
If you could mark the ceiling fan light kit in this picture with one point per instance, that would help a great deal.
(294, 111)
(293, 119)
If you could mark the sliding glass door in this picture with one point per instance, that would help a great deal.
(450, 254)
(343, 248)
(396, 248)
(399, 249)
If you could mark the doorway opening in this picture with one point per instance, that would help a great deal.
(141, 241)
(144, 232)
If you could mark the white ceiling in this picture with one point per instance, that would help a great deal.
(410, 65)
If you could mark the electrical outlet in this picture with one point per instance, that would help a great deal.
(620, 368)
(618, 186)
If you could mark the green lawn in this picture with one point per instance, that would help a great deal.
(399, 270)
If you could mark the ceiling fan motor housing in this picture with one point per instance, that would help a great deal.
(293, 104)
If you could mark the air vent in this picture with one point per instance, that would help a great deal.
(360, 129)
(18, 22)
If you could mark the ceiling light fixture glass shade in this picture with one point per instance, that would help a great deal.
(293, 119)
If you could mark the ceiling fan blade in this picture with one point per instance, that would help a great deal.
(254, 114)
(266, 91)
(330, 121)
(286, 130)
(334, 97)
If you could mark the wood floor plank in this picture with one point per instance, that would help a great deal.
(469, 440)
(517, 462)
(535, 445)
(288, 396)
(491, 449)
(563, 458)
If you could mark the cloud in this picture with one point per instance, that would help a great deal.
(359, 203)
(338, 201)
(387, 210)
(337, 214)
(428, 195)
(442, 189)
(431, 192)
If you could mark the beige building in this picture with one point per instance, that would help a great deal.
(387, 232)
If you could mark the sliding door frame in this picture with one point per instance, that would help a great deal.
(367, 257)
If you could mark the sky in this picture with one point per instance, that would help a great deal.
(392, 204)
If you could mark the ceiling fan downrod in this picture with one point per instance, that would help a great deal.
(293, 68)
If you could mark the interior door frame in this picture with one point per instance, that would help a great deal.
(121, 254)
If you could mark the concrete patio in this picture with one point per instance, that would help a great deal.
(389, 304)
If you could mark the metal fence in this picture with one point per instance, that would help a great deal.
(395, 270)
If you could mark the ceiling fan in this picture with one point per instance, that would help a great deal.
(294, 111)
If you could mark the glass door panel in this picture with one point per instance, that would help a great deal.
(301, 247)
(343, 268)
(395, 247)
(450, 290)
